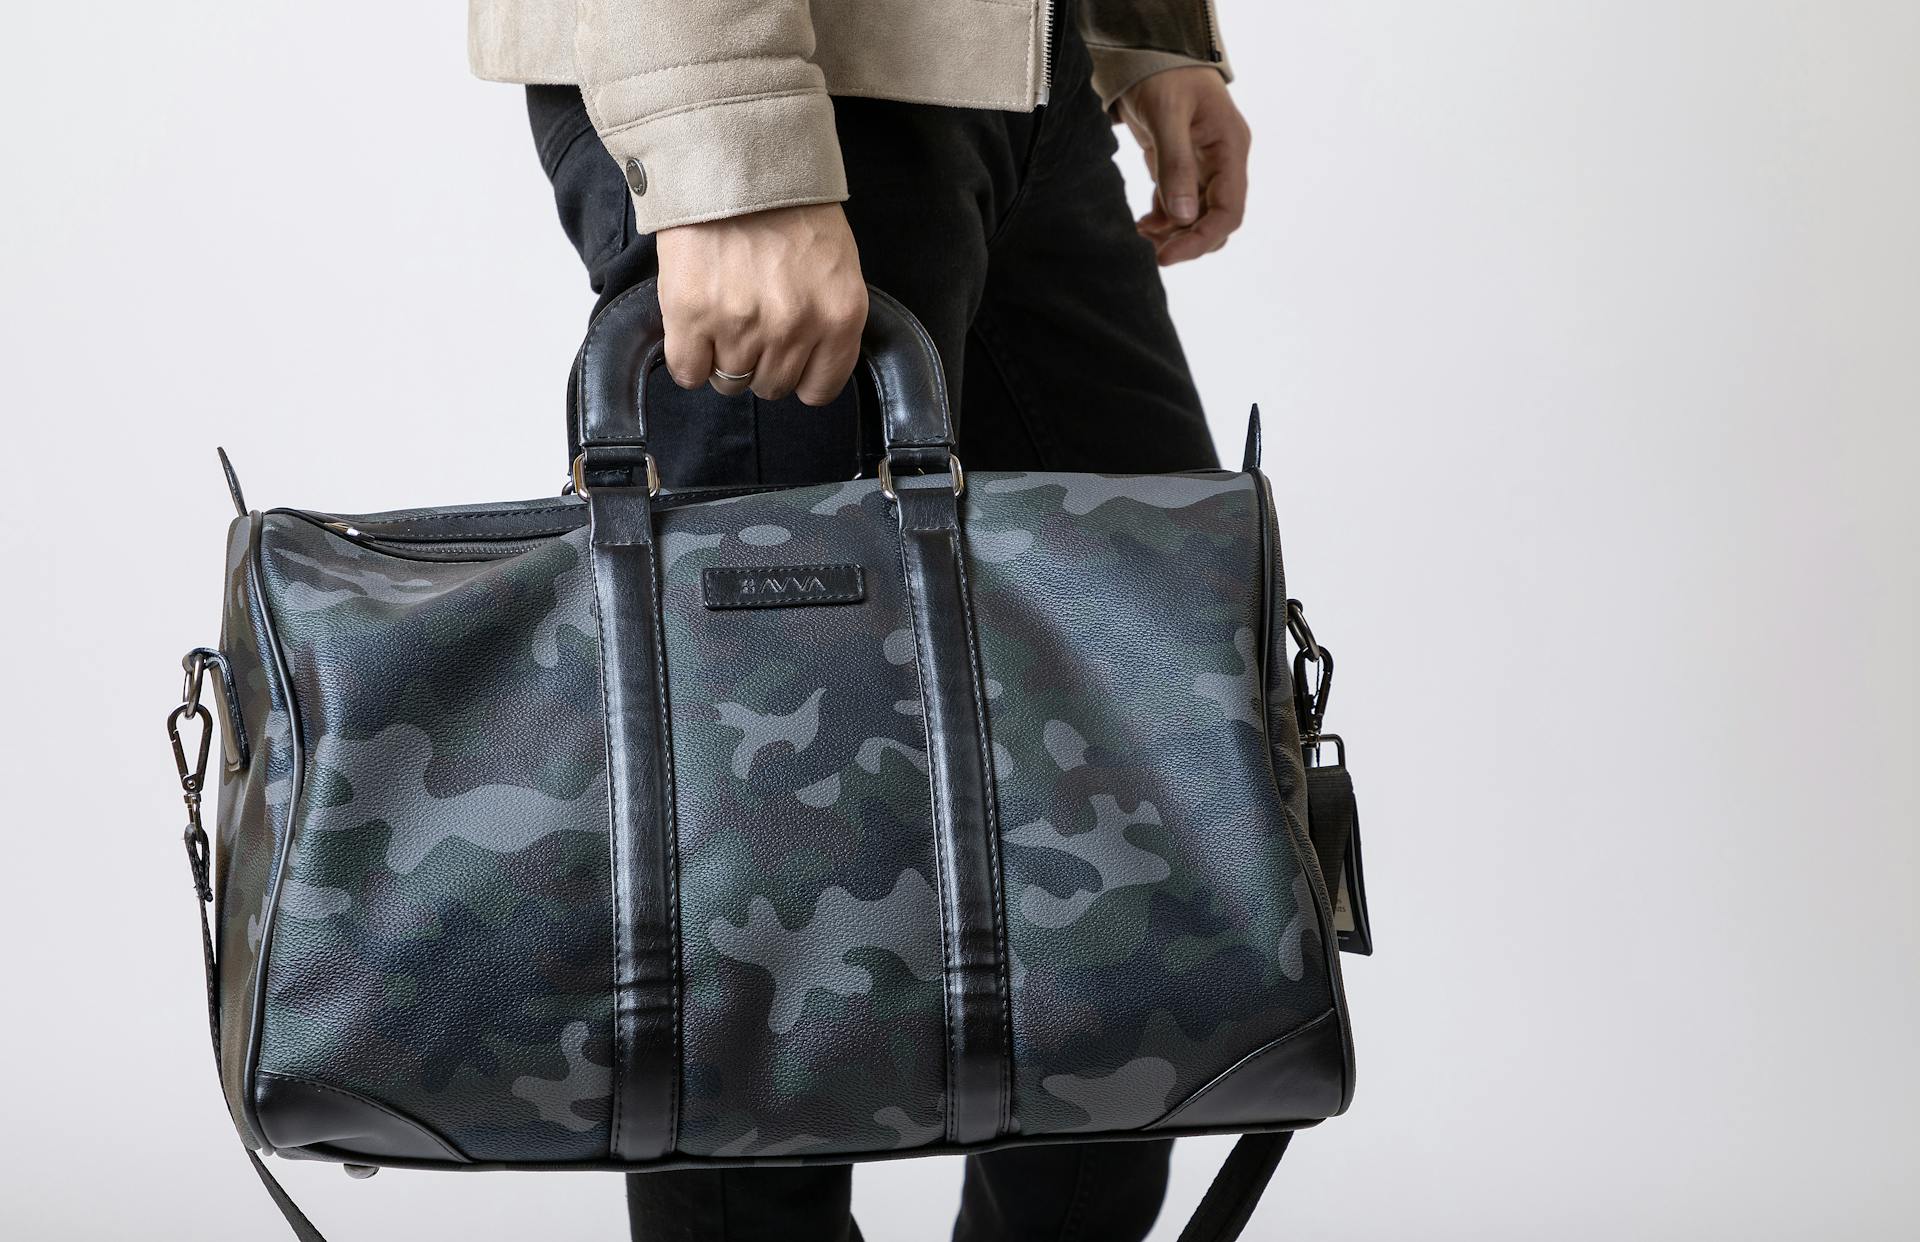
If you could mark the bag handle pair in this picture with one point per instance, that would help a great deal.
(627, 340)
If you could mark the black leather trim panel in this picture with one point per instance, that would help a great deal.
(646, 991)
(299, 1112)
(1285, 1076)
(965, 813)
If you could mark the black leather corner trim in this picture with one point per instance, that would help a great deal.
(300, 1112)
(966, 814)
(1301, 1074)
(646, 864)
(1250, 455)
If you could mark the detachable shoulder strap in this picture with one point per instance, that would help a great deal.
(1228, 1204)
(1222, 1214)
(296, 1219)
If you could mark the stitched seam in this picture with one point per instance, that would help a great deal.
(672, 221)
(927, 346)
(874, 90)
(734, 569)
(940, 861)
(1002, 984)
(1199, 58)
(356, 1098)
(702, 106)
(613, 849)
(690, 64)
(726, 605)
(451, 517)
(671, 826)
(948, 1112)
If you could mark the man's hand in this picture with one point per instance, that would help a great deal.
(776, 294)
(1196, 146)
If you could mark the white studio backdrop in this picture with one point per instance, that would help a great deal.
(1589, 338)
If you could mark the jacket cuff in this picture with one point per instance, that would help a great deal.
(1116, 70)
(729, 157)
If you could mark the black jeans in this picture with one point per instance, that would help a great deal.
(1009, 235)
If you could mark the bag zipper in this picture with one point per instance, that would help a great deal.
(436, 547)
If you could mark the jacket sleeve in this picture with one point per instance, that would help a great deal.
(712, 109)
(1131, 40)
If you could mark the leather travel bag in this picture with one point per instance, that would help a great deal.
(641, 829)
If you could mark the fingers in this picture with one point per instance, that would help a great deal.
(689, 348)
(827, 371)
(1175, 164)
(1223, 163)
(775, 297)
(1196, 145)
(1226, 209)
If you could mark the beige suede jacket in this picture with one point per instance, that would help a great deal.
(721, 107)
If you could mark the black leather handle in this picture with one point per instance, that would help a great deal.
(625, 340)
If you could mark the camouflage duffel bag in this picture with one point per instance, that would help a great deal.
(639, 829)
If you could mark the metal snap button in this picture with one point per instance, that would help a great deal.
(636, 177)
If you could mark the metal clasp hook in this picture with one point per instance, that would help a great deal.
(190, 761)
(1309, 698)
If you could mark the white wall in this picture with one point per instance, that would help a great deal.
(1589, 334)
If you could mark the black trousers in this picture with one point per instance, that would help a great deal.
(1009, 235)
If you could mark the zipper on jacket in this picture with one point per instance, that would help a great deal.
(1048, 16)
(1213, 39)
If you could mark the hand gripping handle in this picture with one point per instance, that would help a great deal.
(626, 339)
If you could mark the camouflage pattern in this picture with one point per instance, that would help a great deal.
(815, 1017)
(1159, 920)
(440, 940)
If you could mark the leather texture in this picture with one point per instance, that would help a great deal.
(966, 821)
(1278, 1077)
(646, 984)
(537, 853)
(299, 1113)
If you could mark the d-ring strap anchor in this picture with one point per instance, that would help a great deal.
(580, 487)
(953, 467)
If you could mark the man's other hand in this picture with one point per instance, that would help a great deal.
(1196, 145)
(775, 296)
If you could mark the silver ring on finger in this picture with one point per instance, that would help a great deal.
(732, 378)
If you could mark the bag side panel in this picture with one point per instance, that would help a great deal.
(1160, 920)
(1289, 766)
(811, 926)
(250, 821)
(441, 946)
